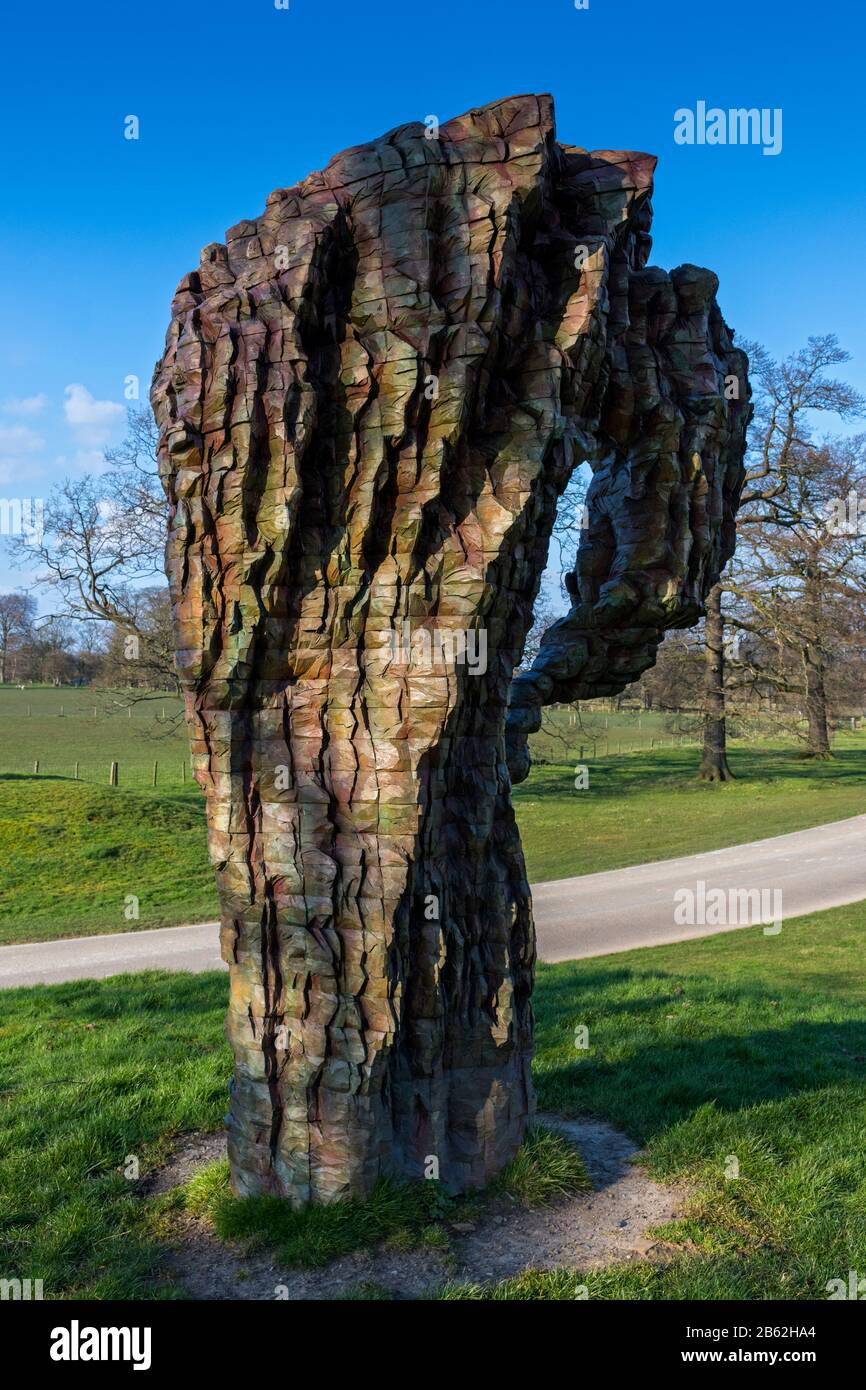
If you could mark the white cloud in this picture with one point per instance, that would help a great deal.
(82, 461)
(90, 420)
(25, 405)
(20, 439)
(89, 460)
(19, 471)
(18, 444)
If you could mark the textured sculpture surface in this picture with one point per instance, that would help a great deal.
(370, 401)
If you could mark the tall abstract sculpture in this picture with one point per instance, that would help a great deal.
(370, 400)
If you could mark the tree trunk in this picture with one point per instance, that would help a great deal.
(818, 744)
(714, 763)
(369, 402)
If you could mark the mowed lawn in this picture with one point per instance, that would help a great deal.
(80, 859)
(739, 1062)
(651, 805)
(75, 852)
(64, 726)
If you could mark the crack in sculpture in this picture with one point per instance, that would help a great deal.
(370, 401)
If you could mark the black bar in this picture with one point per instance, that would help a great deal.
(193, 1339)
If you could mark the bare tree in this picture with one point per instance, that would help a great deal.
(17, 612)
(801, 584)
(786, 396)
(674, 682)
(568, 526)
(143, 660)
(714, 759)
(101, 548)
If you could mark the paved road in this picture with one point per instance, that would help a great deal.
(600, 914)
(96, 957)
(595, 915)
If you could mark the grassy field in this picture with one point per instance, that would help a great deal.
(740, 1047)
(76, 852)
(651, 805)
(69, 728)
(62, 727)
(80, 859)
(66, 726)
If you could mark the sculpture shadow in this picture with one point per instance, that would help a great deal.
(615, 775)
(658, 1082)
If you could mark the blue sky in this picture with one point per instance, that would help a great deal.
(237, 99)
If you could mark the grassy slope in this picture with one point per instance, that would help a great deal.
(72, 851)
(740, 1045)
(134, 736)
(651, 805)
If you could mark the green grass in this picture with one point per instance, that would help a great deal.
(651, 805)
(74, 855)
(405, 1216)
(312, 1236)
(95, 1074)
(74, 851)
(546, 1168)
(96, 727)
(738, 1045)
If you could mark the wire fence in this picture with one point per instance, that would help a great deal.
(40, 708)
(162, 772)
(554, 749)
(173, 771)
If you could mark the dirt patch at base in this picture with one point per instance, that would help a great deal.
(609, 1225)
(190, 1153)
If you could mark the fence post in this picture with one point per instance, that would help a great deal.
(76, 772)
(112, 775)
(155, 767)
(36, 767)
(183, 771)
